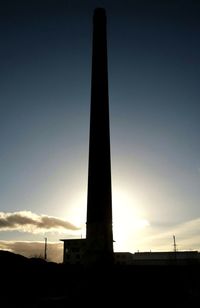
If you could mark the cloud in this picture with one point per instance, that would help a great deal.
(35, 249)
(187, 236)
(27, 221)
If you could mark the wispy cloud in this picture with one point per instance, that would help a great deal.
(187, 236)
(27, 221)
(34, 249)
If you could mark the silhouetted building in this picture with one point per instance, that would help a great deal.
(98, 246)
(157, 258)
(165, 258)
(74, 251)
(123, 258)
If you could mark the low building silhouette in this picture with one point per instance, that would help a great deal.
(166, 258)
(74, 251)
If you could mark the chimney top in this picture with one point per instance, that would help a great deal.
(99, 13)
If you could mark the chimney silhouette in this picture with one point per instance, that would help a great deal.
(97, 248)
(99, 232)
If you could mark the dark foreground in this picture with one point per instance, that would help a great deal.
(36, 283)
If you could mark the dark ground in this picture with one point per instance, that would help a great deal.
(36, 283)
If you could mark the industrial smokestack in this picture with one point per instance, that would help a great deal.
(99, 200)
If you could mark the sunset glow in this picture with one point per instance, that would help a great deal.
(127, 220)
(45, 95)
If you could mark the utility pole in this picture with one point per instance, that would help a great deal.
(45, 248)
(175, 246)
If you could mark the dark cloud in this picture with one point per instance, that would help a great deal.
(30, 222)
(49, 222)
(35, 249)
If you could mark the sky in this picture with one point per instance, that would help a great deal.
(154, 69)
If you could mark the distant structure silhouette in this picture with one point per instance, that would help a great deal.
(99, 203)
(175, 246)
(45, 248)
(98, 246)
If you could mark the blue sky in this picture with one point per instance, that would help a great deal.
(154, 66)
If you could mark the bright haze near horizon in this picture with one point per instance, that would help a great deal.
(154, 69)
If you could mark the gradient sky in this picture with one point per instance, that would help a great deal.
(154, 69)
